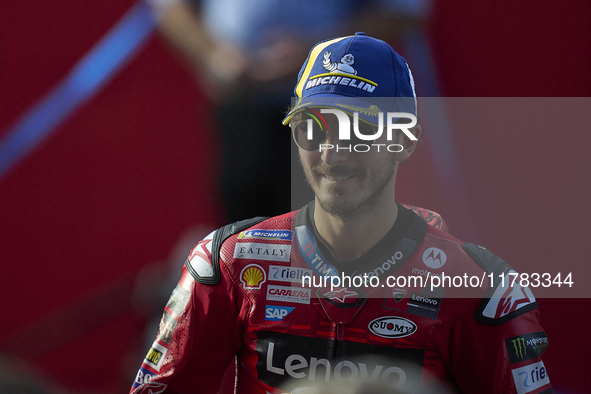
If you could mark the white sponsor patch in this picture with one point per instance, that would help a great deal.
(392, 327)
(434, 258)
(282, 273)
(155, 356)
(530, 377)
(261, 251)
(507, 299)
(288, 294)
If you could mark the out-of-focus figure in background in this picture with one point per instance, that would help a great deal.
(246, 55)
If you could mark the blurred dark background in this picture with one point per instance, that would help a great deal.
(109, 195)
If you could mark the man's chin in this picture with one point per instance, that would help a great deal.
(337, 207)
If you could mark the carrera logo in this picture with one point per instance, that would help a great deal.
(392, 327)
(260, 251)
(288, 294)
(434, 258)
(277, 313)
(252, 276)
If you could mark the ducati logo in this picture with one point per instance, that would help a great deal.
(434, 258)
(398, 294)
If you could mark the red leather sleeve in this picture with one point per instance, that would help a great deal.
(199, 334)
(496, 359)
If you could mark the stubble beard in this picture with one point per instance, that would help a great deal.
(336, 204)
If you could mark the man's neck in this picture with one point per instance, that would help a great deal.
(351, 238)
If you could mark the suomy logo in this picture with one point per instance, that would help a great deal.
(392, 327)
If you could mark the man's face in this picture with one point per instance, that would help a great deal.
(347, 184)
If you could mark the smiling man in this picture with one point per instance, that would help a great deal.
(354, 289)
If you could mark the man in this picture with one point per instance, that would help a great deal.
(246, 55)
(274, 292)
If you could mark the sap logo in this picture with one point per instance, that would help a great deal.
(277, 313)
(299, 367)
(392, 327)
(434, 258)
(530, 377)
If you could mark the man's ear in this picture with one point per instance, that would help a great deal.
(408, 144)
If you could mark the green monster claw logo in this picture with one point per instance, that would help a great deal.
(519, 345)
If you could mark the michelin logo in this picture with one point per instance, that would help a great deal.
(277, 313)
(344, 74)
(343, 67)
(276, 235)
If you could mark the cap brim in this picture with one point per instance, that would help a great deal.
(367, 108)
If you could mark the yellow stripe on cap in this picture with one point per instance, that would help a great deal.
(311, 60)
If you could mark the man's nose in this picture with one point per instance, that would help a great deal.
(335, 150)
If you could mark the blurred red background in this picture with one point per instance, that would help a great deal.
(123, 178)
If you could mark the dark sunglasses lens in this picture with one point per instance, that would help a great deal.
(300, 134)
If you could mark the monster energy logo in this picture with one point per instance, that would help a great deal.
(519, 345)
(525, 347)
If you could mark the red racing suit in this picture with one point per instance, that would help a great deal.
(255, 289)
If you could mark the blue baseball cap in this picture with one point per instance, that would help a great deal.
(358, 73)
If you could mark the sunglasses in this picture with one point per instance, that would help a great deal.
(310, 130)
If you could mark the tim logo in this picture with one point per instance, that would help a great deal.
(434, 258)
(309, 249)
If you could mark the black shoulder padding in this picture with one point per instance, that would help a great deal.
(485, 258)
(492, 263)
(216, 243)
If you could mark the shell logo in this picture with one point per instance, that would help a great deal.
(253, 276)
